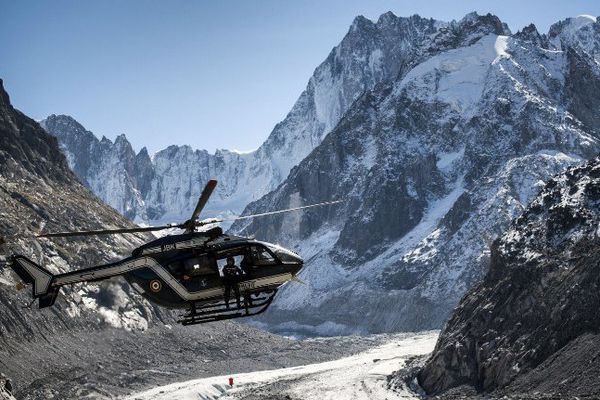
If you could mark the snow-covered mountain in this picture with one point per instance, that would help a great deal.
(436, 134)
(165, 187)
(433, 165)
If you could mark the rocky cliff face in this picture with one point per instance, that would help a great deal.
(38, 192)
(5, 388)
(532, 323)
(433, 166)
(113, 171)
(165, 187)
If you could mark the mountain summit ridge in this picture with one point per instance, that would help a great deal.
(366, 56)
(370, 53)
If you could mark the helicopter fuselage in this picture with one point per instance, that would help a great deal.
(182, 269)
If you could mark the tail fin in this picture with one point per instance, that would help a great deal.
(40, 278)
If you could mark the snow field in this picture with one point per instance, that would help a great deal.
(362, 376)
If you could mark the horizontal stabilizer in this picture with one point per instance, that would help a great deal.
(35, 275)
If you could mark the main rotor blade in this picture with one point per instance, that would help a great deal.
(326, 203)
(109, 231)
(208, 189)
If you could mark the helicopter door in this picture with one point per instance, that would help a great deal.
(199, 272)
(203, 264)
(239, 257)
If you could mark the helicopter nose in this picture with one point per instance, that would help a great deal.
(295, 263)
(298, 264)
(294, 258)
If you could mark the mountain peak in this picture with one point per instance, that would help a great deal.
(143, 152)
(583, 19)
(361, 22)
(4, 98)
(123, 145)
(120, 139)
(581, 32)
(65, 125)
(24, 142)
(470, 17)
(571, 25)
(531, 34)
(387, 18)
(488, 23)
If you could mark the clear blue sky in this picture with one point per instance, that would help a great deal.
(215, 74)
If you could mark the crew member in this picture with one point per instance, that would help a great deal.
(231, 277)
(246, 266)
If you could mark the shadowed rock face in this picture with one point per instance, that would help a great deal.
(5, 388)
(537, 303)
(433, 167)
(23, 142)
(39, 191)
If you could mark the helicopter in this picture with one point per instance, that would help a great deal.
(183, 271)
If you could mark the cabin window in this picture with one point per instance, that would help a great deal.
(203, 264)
(223, 261)
(247, 257)
(192, 266)
(238, 254)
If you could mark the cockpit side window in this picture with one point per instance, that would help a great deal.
(248, 257)
(261, 256)
(284, 255)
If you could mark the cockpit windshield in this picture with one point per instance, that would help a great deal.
(260, 256)
(285, 255)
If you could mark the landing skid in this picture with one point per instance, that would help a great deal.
(220, 312)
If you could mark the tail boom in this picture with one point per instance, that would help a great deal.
(47, 285)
